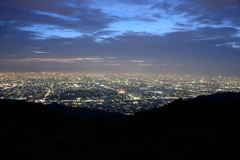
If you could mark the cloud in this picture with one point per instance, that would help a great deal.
(5, 22)
(195, 34)
(164, 64)
(44, 31)
(106, 60)
(111, 58)
(112, 64)
(235, 45)
(204, 12)
(212, 33)
(102, 21)
(145, 64)
(77, 16)
(136, 61)
(55, 15)
(54, 60)
(40, 52)
(220, 3)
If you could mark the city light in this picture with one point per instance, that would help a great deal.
(122, 93)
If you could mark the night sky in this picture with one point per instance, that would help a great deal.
(151, 36)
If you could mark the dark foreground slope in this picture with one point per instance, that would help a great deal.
(201, 128)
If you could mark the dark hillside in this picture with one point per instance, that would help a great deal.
(201, 128)
(218, 110)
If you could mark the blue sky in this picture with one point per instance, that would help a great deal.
(159, 36)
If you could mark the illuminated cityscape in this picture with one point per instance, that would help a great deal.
(119, 79)
(124, 93)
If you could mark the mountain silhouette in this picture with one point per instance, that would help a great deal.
(201, 128)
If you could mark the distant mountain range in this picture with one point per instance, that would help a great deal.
(201, 128)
